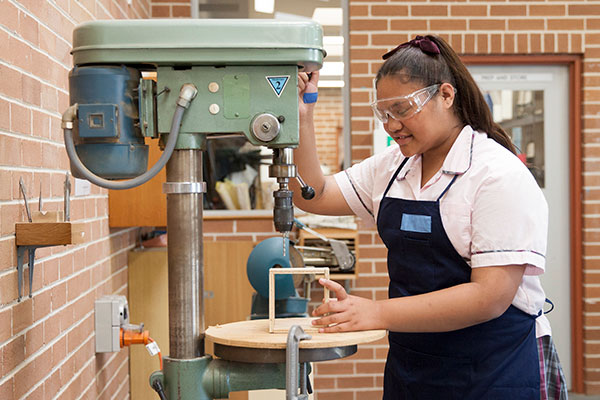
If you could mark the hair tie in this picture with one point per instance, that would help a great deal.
(426, 45)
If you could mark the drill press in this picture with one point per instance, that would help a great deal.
(210, 77)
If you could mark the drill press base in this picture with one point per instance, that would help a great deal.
(250, 341)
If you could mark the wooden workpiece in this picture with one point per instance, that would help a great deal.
(255, 334)
(49, 233)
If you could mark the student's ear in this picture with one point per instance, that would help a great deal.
(447, 93)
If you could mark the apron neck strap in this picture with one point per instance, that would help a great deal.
(394, 177)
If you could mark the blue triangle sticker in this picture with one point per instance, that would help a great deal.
(278, 83)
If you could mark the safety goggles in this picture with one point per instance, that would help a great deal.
(403, 107)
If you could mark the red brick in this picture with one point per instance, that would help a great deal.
(535, 43)
(508, 10)
(28, 28)
(563, 24)
(161, 11)
(14, 353)
(52, 384)
(368, 24)
(584, 10)
(487, 24)
(448, 24)
(37, 394)
(563, 43)
(254, 225)
(9, 16)
(545, 10)
(389, 10)
(24, 379)
(8, 288)
(42, 304)
(509, 43)
(5, 192)
(429, 10)
(22, 315)
(592, 23)
(181, 11)
(522, 43)
(460, 10)
(375, 367)
(337, 395)
(549, 42)
(516, 24)
(6, 389)
(5, 325)
(31, 152)
(356, 382)
(20, 119)
(412, 24)
(334, 368)
(358, 11)
(34, 339)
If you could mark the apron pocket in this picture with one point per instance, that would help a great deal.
(424, 376)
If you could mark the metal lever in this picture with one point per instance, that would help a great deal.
(292, 365)
(308, 192)
(340, 249)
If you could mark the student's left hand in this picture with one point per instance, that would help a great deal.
(347, 313)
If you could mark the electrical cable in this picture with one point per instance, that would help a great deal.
(78, 166)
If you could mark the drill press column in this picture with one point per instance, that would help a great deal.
(184, 226)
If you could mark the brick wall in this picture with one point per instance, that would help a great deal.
(47, 342)
(170, 9)
(489, 27)
(329, 118)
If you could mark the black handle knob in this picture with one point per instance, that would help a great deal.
(308, 192)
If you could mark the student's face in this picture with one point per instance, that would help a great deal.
(421, 132)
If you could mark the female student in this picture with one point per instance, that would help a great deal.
(465, 225)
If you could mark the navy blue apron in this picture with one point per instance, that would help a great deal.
(494, 360)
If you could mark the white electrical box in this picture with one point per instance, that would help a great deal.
(110, 314)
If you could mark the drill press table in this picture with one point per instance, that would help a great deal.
(250, 341)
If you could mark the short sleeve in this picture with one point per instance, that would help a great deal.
(510, 221)
(356, 184)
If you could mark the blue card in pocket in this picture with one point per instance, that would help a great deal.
(416, 223)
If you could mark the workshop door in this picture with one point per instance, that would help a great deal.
(531, 104)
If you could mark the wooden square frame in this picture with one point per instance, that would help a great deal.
(291, 271)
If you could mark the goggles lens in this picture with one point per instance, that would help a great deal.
(403, 107)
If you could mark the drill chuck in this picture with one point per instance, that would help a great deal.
(283, 211)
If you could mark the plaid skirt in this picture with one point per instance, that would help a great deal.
(553, 385)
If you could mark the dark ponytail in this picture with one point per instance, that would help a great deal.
(469, 104)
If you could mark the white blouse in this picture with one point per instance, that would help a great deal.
(494, 214)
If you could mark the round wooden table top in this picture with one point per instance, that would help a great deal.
(255, 334)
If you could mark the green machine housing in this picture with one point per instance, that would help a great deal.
(245, 72)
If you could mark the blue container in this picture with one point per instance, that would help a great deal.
(107, 134)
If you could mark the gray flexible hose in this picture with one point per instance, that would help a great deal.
(78, 166)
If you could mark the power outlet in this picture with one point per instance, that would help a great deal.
(110, 314)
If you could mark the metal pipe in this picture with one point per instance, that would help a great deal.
(184, 227)
(195, 8)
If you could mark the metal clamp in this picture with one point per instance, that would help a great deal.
(292, 365)
(184, 187)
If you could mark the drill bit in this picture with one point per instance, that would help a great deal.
(284, 235)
